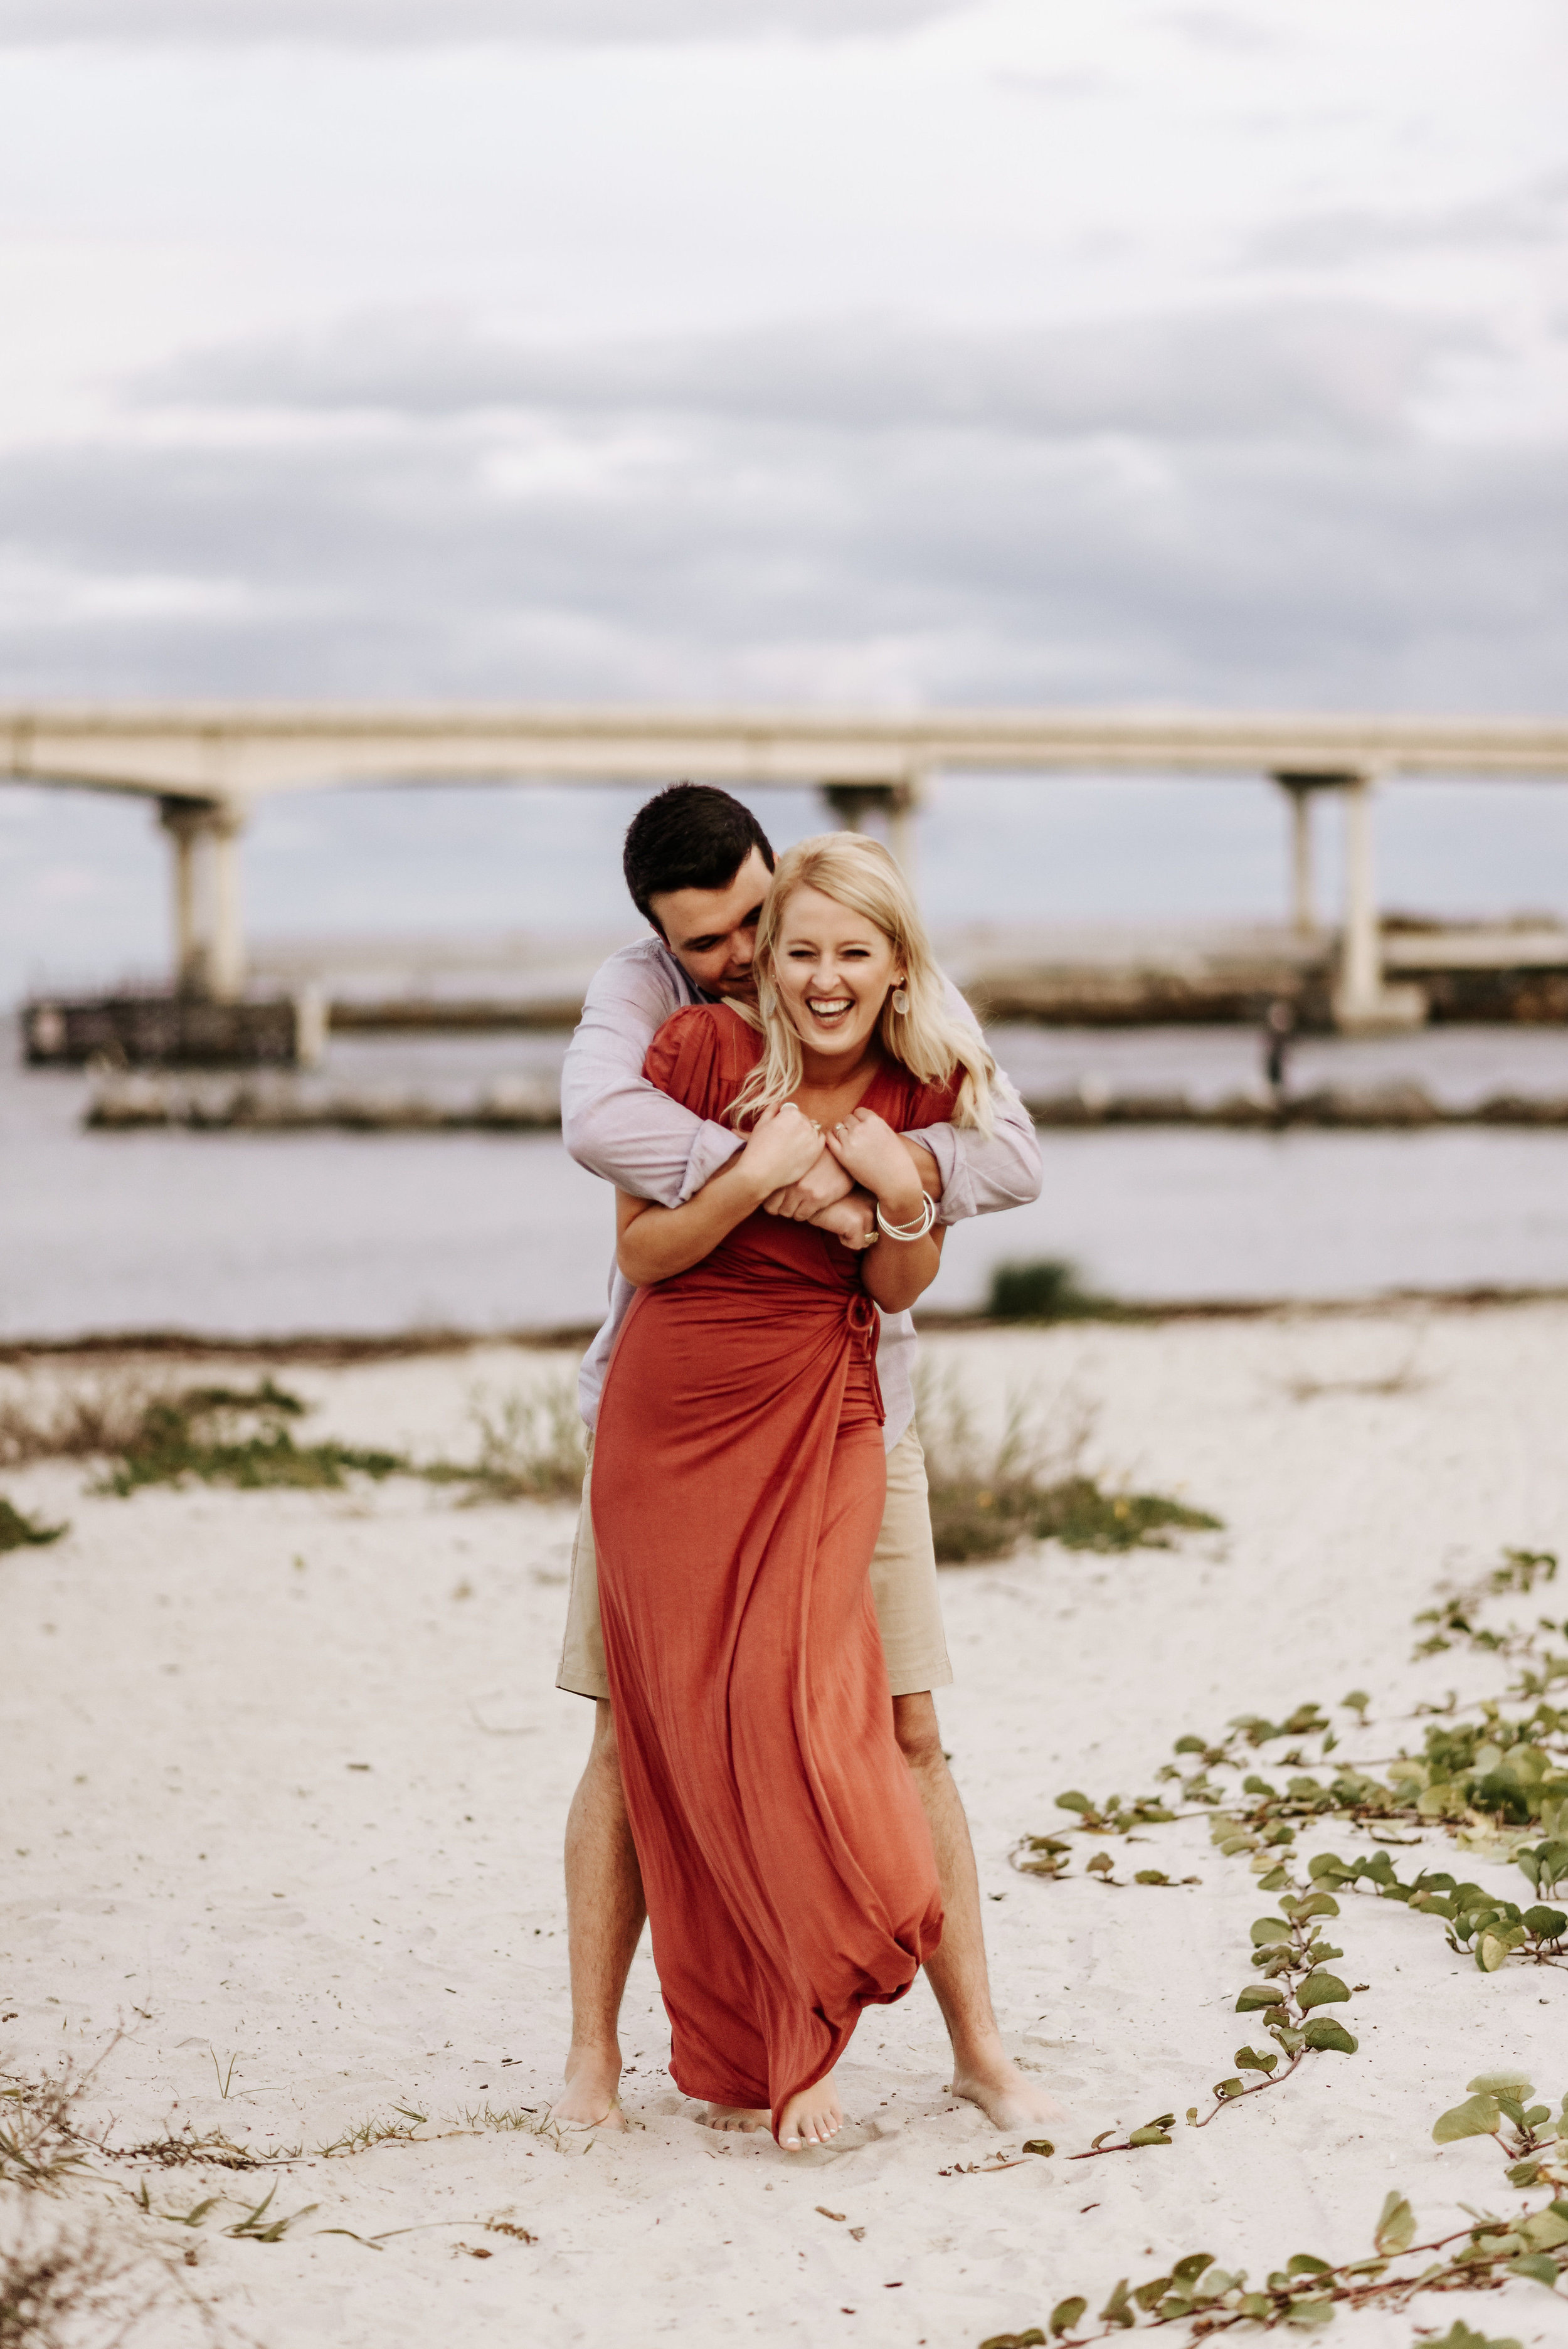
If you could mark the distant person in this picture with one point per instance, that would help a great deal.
(699, 869)
(1279, 1035)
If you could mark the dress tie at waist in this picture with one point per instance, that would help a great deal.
(865, 1330)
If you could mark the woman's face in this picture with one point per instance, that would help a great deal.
(833, 968)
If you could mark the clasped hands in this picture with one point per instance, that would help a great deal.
(833, 1181)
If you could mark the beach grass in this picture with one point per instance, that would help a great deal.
(529, 1446)
(990, 1496)
(1045, 1289)
(20, 1532)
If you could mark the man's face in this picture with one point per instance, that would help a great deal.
(712, 933)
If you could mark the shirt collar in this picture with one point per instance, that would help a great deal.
(683, 977)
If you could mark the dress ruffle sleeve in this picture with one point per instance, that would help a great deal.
(701, 1057)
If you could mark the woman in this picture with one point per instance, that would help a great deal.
(738, 1486)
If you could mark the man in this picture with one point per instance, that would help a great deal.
(698, 865)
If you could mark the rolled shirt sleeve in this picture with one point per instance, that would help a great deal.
(612, 1120)
(983, 1174)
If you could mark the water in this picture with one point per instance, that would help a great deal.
(268, 1235)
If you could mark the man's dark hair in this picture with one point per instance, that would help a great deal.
(690, 836)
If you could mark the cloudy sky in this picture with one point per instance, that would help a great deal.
(1095, 351)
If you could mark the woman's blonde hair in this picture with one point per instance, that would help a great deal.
(926, 1039)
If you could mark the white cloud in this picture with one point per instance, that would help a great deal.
(1231, 509)
(373, 21)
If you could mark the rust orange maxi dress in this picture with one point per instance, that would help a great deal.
(737, 1491)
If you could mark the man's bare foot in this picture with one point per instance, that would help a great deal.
(1005, 2095)
(735, 2116)
(811, 2118)
(591, 2098)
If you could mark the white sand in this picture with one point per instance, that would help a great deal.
(190, 1856)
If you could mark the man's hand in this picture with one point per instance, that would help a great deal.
(822, 1185)
(852, 1220)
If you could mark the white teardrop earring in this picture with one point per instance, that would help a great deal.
(901, 1000)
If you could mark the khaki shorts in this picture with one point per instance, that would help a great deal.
(903, 1585)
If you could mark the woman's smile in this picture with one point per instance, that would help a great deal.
(830, 1010)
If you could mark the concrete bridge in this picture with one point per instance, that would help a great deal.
(205, 765)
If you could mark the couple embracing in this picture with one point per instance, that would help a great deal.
(792, 1104)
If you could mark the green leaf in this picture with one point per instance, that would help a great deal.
(1461, 2337)
(1073, 1801)
(1145, 2294)
(1310, 2312)
(1254, 2059)
(1269, 1930)
(1316, 1904)
(1477, 2116)
(1116, 2310)
(1303, 2263)
(1396, 2228)
(1228, 2088)
(1323, 2033)
(1033, 2339)
(1320, 1989)
(1040, 2144)
(1501, 2084)
(1187, 2270)
(1066, 2314)
(1545, 2231)
(1149, 2135)
(1536, 2265)
(1213, 2285)
(1256, 1996)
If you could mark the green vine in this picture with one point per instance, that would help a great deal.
(1307, 2291)
(1498, 1785)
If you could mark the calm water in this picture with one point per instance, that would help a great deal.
(234, 1234)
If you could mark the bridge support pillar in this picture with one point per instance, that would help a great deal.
(1362, 1001)
(208, 938)
(1302, 896)
(897, 803)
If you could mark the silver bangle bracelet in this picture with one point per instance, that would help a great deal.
(915, 1231)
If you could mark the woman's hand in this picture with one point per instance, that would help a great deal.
(783, 1145)
(869, 1149)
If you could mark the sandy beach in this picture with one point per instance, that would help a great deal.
(284, 1778)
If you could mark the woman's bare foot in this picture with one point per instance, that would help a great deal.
(1006, 2097)
(811, 2118)
(735, 2116)
(591, 2098)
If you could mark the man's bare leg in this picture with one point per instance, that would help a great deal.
(982, 2071)
(605, 1914)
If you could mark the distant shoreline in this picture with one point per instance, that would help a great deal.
(331, 1348)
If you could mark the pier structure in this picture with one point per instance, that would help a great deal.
(205, 765)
